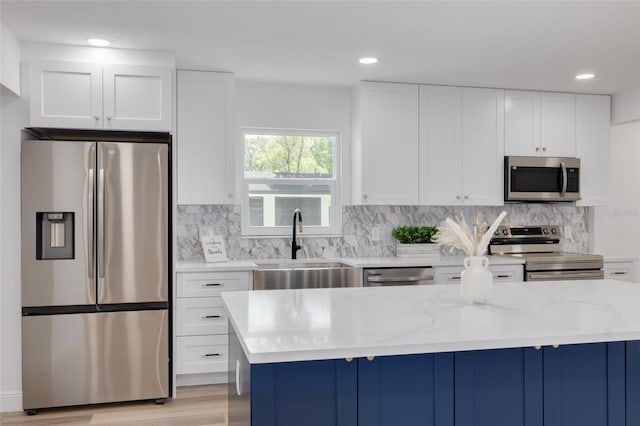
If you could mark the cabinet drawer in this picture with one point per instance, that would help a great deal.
(199, 316)
(202, 354)
(620, 271)
(501, 273)
(210, 284)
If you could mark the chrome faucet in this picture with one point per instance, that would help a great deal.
(294, 244)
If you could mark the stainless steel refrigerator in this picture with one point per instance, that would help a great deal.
(95, 267)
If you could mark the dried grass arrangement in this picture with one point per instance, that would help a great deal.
(472, 239)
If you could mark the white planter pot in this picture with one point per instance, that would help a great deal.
(417, 250)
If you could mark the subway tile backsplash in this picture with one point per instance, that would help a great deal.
(357, 223)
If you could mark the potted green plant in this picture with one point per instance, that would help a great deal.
(415, 241)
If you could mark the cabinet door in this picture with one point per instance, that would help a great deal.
(482, 146)
(592, 147)
(406, 390)
(310, 393)
(137, 98)
(440, 145)
(633, 382)
(584, 384)
(521, 123)
(490, 387)
(389, 145)
(205, 138)
(558, 124)
(65, 95)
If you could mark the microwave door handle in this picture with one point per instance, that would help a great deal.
(564, 178)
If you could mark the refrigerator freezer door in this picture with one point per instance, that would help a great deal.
(94, 358)
(57, 194)
(132, 231)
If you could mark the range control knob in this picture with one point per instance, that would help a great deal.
(505, 231)
(496, 233)
(554, 231)
(545, 231)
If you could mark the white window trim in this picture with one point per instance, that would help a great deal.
(308, 231)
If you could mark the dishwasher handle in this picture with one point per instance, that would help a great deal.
(398, 276)
(382, 279)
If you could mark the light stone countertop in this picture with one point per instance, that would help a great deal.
(361, 262)
(313, 324)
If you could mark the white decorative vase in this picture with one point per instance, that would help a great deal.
(476, 280)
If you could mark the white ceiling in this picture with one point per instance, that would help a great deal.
(518, 44)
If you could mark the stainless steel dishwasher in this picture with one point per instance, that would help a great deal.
(397, 276)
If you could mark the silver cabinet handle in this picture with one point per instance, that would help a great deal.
(537, 149)
(466, 197)
(96, 117)
(453, 278)
(544, 149)
(238, 378)
(618, 273)
(212, 354)
(212, 285)
(211, 316)
(503, 276)
(108, 117)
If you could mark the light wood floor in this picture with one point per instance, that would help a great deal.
(192, 406)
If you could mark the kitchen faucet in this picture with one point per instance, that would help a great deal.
(294, 244)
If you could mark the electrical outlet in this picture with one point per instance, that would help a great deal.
(375, 234)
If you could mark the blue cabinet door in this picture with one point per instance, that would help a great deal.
(497, 387)
(584, 385)
(406, 390)
(633, 383)
(310, 393)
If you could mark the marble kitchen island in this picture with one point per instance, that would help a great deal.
(550, 353)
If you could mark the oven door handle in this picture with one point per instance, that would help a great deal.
(563, 191)
(573, 275)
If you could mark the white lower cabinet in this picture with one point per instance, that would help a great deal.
(501, 273)
(623, 271)
(201, 325)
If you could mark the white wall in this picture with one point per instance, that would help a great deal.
(625, 106)
(617, 226)
(11, 121)
(9, 60)
(294, 106)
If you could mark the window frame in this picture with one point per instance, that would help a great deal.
(335, 211)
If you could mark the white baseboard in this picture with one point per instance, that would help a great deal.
(10, 401)
(201, 379)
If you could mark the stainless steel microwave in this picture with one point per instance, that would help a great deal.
(541, 179)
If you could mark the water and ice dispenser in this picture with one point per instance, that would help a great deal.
(54, 235)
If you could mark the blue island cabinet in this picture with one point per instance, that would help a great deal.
(596, 384)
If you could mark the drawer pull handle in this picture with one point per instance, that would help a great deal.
(370, 358)
(619, 273)
(453, 278)
(555, 346)
(208, 355)
(348, 359)
(211, 316)
(212, 285)
(537, 347)
(504, 276)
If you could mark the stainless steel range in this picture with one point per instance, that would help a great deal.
(539, 246)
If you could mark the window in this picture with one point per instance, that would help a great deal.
(288, 170)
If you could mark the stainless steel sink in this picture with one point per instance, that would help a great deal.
(300, 274)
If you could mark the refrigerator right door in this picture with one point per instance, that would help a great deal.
(133, 222)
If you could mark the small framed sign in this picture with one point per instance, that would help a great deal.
(213, 246)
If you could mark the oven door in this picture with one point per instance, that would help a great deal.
(542, 179)
(596, 274)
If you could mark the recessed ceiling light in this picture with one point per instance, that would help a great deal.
(368, 61)
(585, 76)
(98, 42)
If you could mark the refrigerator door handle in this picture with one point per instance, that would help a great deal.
(101, 230)
(90, 225)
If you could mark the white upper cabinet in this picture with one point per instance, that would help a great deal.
(440, 145)
(539, 124)
(592, 144)
(94, 96)
(461, 146)
(385, 144)
(522, 123)
(558, 124)
(205, 137)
